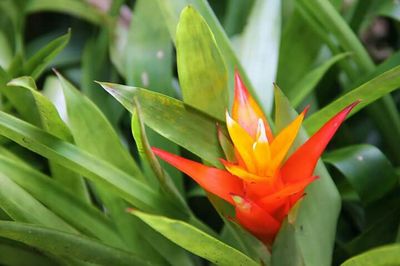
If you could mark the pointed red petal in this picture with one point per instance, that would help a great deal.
(257, 221)
(302, 163)
(287, 194)
(216, 181)
(246, 111)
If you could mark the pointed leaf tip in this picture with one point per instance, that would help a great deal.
(303, 161)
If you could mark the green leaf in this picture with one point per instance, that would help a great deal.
(201, 68)
(236, 12)
(387, 8)
(367, 169)
(96, 49)
(384, 112)
(61, 201)
(304, 86)
(21, 206)
(309, 233)
(62, 244)
(391, 62)
(25, 82)
(35, 65)
(299, 49)
(77, 8)
(51, 122)
(93, 133)
(22, 100)
(148, 60)
(53, 91)
(148, 157)
(195, 240)
(172, 119)
(97, 170)
(172, 9)
(259, 48)
(6, 51)
(14, 253)
(382, 256)
(368, 93)
(381, 230)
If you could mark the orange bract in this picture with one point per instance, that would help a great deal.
(261, 185)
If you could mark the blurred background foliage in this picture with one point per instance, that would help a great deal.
(319, 52)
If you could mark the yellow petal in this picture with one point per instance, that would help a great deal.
(282, 143)
(240, 172)
(261, 150)
(243, 143)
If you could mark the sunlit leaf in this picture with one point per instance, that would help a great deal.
(383, 256)
(201, 69)
(51, 122)
(99, 171)
(195, 240)
(173, 119)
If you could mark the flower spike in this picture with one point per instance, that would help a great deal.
(257, 181)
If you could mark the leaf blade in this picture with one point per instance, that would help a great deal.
(196, 241)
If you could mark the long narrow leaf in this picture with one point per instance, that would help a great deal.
(61, 201)
(69, 245)
(196, 241)
(367, 93)
(99, 171)
(38, 62)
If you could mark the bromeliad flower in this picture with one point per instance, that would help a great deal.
(260, 182)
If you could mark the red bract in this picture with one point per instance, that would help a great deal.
(260, 183)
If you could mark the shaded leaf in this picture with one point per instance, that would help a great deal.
(61, 201)
(81, 9)
(69, 245)
(366, 168)
(35, 65)
(367, 93)
(305, 85)
(22, 207)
